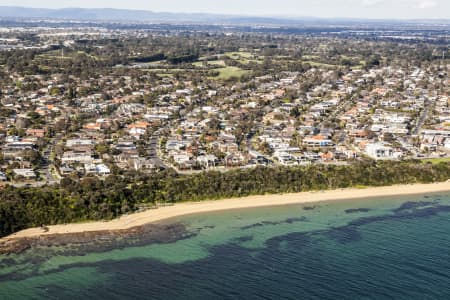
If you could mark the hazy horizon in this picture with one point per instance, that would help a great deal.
(364, 9)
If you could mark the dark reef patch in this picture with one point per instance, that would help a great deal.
(310, 207)
(413, 205)
(408, 210)
(264, 260)
(357, 210)
(243, 239)
(270, 223)
(75, 244)
(207, 227)
(343, 235)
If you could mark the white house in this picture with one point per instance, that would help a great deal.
(79, 143)
(100, 169)
(208, 160)
(76, 157)
(181, 158)
(25, 173)
(380, 151)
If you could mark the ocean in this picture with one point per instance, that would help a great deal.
(384, 248)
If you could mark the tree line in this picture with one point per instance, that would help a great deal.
(76, 200)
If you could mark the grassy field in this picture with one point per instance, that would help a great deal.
(436, 160)
(67, 54)
(248, 61)
(211, 63)
(239, 55)
(230, 72)
(320, 65)
(284, 57)
(164, 75)
(244, 57)
(165, 71)
(310, 57)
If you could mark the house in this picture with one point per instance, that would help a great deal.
(24, 173)
(13, 150)
(77, 157)
(3, 177)
(124, 160)
(235, 159)
(428, 147)
(359, 134)
(92, 126)
(140, 163)
(103, 170)
(125, 146)
(140, 124)
(175, 145)
(181, 158)
(65, 170)
(317, 141)
(327, 157)
(40, 133)
(207, 161)
(285, 158)
(136, 132)
(156, 117)
(19, 146)
(80, 144)
(99, 169)
(379, 151)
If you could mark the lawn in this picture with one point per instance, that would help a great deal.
(436, 161)
(68, 54)
(310, 57)
(248, 61)
(239, 55)
(320, 65)
(164, 75)
(165, 71)
(230, 72)
(211, 63)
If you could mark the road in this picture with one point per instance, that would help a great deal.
(153, 150)
(249, 138)
(47, 163)
(428, 105)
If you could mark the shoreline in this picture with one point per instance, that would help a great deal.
(132, 221)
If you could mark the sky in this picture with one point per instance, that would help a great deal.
(373, 9)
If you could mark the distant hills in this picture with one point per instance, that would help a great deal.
(111, 14)
(142, 16)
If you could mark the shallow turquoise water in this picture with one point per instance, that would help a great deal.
(366, 249)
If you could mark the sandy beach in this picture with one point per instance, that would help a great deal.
(163, 213)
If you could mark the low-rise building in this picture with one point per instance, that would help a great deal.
(24, 173)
